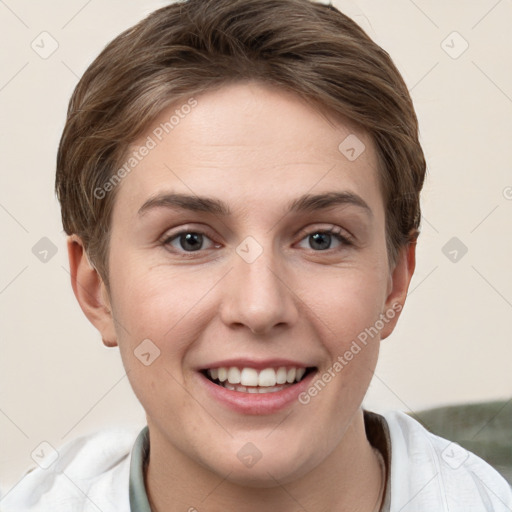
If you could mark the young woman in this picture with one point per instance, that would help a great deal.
(240, 184)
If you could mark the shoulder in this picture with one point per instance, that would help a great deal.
(430, 471)
(88, 473)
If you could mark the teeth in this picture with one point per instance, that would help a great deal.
(267, 377)
(290, 377)
(254, 389)
(281, 375)
(272, 389)
(249, 377)
(234, 375)
(250, 380)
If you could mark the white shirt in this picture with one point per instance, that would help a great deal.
(428, 474)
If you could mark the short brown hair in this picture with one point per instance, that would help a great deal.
(193, 46)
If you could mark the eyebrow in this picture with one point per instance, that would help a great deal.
(303, 204)
(314, 202)
(185, 202)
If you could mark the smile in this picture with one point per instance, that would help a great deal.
(251, 380)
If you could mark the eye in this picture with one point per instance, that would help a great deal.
(323, 240)
(189, 241)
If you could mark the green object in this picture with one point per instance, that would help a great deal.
(482, 428)
(138, 498)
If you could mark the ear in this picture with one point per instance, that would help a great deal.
(90, 291)
(399, 280)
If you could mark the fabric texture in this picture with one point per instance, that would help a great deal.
(484, 428)
(432, 473)
(427, 473)
(90, 475)
(140, 457)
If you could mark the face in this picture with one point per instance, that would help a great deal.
(246, 246)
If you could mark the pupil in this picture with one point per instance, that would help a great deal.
(320, 241)
(191, 241)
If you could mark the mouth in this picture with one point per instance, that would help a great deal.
(253, 381)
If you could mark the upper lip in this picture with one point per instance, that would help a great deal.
(257, 364)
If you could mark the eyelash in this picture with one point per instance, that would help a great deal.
(334, 231)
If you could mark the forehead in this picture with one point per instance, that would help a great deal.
(250, 142)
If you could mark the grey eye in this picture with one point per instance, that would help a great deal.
(320, 241)
(189, 241)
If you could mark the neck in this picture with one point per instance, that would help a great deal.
(349, 478)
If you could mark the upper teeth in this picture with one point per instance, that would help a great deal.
(251, 377)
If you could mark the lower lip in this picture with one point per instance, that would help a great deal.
(257, 403)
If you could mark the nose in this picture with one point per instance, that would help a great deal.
(257, 296)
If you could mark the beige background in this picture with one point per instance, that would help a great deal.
(453, 342)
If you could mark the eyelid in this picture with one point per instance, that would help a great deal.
(345, 236)
(332, 229)
(171, 234)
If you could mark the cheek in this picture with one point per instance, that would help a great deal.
(165, 305)
(155, 324)
(346, 315)
(347, 302)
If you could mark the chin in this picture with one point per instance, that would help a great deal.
(273, 467)
(266, 478)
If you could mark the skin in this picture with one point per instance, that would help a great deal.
(257, 149)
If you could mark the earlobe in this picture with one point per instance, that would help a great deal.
(90, 291)
(400, 279)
